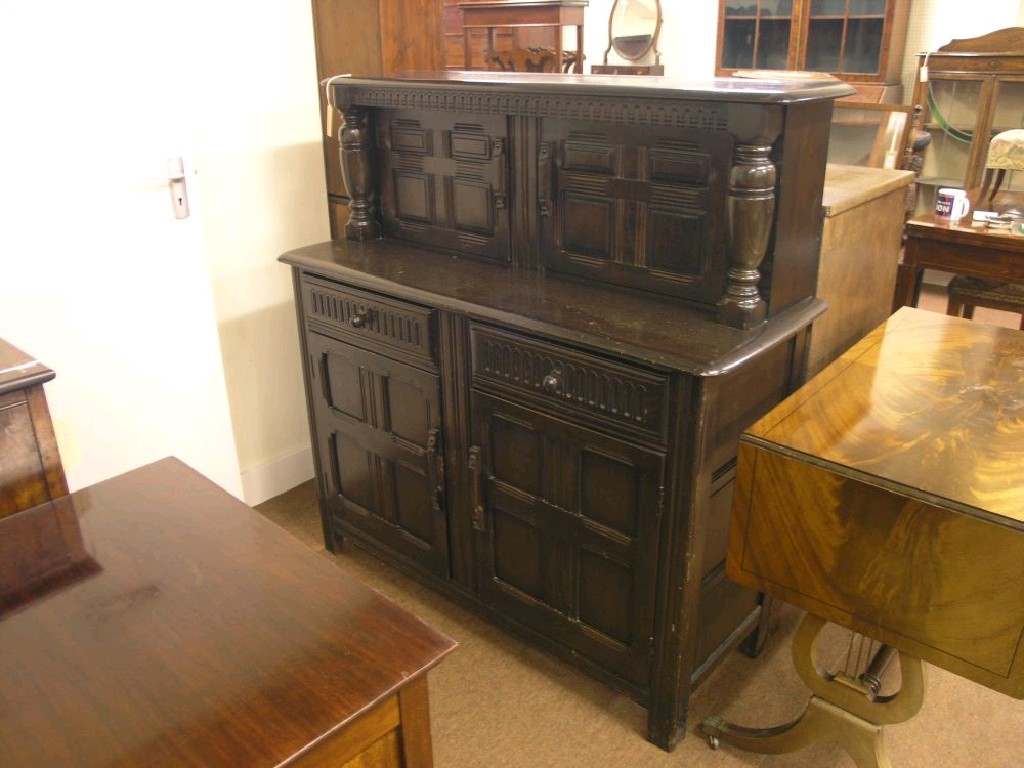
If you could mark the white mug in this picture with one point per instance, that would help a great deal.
(951, 205)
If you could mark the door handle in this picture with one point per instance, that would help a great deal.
(174, 177)
(476, 514)
(435, 471)
(544, 178)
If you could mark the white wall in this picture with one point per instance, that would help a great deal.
(168, 337)
(261, 177)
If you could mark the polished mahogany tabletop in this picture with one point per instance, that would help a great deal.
(930, 405)
(154, 620)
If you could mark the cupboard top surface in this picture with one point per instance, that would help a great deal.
(742, 90)
(641, 327)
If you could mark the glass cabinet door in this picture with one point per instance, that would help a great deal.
(952, 120)
(757, 34)
(963, 117)
(860, 41)
(844, 37)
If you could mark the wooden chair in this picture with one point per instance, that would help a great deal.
(1005, 153)
(522, 60)
(966, 293)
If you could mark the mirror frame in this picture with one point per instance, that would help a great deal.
(652, 46)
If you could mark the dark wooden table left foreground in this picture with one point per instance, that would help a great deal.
(152, 619)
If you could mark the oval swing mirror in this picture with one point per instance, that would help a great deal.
(633, 27)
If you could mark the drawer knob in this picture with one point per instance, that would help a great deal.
(358, 320)
(552, 382)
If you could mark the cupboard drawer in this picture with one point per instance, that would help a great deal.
(597, 390)
(368, 319)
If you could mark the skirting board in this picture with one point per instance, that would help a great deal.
(274, 478)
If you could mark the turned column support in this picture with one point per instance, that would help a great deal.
(750, 213)
(357, 168)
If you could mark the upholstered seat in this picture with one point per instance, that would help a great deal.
(1005, 153)
(966, 293)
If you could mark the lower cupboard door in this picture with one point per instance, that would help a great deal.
(566, 522)
(378, 435)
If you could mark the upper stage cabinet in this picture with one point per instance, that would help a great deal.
(528, 363)
(859, 41)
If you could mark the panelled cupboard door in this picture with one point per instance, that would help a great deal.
(446, 183)
(566, 525)
(380, 449)
(635, 213)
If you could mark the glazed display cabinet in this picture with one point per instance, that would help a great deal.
(859, 41)
(974, 89)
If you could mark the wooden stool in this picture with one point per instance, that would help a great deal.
(966, 293)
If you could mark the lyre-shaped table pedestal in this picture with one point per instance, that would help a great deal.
(840, 710)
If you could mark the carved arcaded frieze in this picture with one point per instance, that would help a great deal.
(610, 391)
(390, 325)
(629, 111)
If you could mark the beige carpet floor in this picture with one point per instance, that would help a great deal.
(499, 702)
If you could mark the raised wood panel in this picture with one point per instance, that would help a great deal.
(568, 531)
(446, 183)
(636, 213)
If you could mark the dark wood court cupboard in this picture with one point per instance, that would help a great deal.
(558, 302)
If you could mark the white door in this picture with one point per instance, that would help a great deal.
(99, 280)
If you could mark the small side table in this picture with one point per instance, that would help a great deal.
(524, 13)
(884, 496)
(153, 619)
(995, 255)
